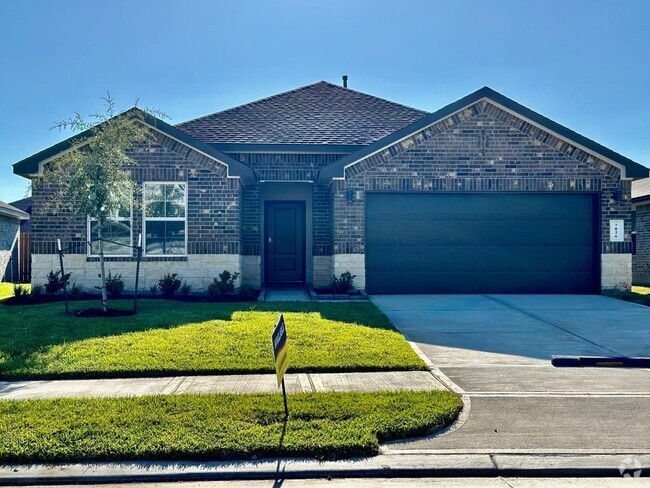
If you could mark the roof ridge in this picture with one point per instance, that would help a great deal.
(397, 104)
(301, 88)
(254, 102)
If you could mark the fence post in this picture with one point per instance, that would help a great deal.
(65, 291)
(137, 274)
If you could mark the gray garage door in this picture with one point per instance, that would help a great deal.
(481, 243)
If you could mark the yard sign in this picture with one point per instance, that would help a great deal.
(280, 349)
(279, 338)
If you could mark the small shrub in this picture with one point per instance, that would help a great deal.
(186, 289)
(344, 283)
(153, 289)
(75, 290)
(37, 290)
(114, 285)
(246, 291)
(223, 285)
(169, 285)
(20, 291)
(56, 282)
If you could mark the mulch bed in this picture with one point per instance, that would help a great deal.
(98, 312)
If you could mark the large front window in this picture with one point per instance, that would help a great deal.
(165, 218)
(116, 233)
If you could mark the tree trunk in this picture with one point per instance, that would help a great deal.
(102, 269)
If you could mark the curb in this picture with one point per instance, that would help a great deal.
(382, 466)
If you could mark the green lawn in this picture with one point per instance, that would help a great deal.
(6, 290)
(169, 337)
(217, 426)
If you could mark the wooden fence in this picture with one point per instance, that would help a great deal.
(25, 258)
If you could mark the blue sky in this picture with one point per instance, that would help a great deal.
(585, 64)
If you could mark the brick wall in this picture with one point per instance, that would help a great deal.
(641, 260)
(480, 149)
(213, 223)
(9, 229)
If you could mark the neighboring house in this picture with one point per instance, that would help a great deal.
(10, 219)
(24, 204)
(641, 207)
(481, 196)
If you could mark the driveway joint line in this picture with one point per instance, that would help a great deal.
(541, 319)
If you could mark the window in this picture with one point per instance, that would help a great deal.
(117, 233)
(165, 218)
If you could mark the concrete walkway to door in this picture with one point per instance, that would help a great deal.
(497, 348)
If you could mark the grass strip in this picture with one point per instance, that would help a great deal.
(324, 425)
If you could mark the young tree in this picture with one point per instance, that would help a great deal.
(94, 178)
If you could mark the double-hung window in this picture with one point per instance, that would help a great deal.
(117, 233)
(165, 218)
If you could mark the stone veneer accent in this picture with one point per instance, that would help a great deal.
(481, 148)
(198, 270)
(322, 271)
(616, 271)
(641, 260)
(355, 264)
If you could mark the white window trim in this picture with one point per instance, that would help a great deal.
(89, 246)
(163, 219)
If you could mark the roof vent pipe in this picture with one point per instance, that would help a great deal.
(345, 81)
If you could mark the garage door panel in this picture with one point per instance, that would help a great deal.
(480, 243)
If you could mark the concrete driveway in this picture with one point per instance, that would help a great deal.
(497, 349)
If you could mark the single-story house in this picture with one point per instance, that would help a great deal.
(481, 196)
(641, 228)
(10, 220)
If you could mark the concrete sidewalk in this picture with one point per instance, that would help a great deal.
(249, 383)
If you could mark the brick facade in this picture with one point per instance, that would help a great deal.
(482, 148)
(9, 229)
(213, 210)
(641, 260)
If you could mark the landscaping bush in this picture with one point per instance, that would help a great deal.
(224, 285)
(153, 289)
(114, 285)
(56, 282)
(344, 283)
(169, 285)
(75, 290)
(20, 291)
(37, 290)
(186, 289)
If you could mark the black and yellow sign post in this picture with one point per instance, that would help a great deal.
(281, 357)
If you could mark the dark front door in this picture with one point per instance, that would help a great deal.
(285, 242)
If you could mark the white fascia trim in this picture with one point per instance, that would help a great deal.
(15, 214)
(512, 112)
(45, 161)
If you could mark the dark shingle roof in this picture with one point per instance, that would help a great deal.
(641, 189)
(321, 113)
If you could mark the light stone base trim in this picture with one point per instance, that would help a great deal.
(355, 264)
(322, 271)
(251, 271)
(616, 271)
(199, 270)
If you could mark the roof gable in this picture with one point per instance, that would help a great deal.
(166, 134)
(502, 108)
(321, 113)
